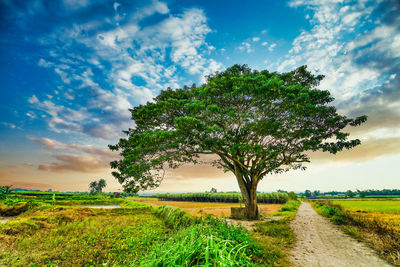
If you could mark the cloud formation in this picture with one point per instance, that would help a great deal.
(361, 71)
(123, 59)
(81, 158)
(368, 150)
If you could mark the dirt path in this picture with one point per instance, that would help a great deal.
(320, 243)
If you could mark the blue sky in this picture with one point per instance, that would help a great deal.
(71, 69)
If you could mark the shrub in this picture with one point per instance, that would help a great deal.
(336, 219)
(291, 205)
(336, 215)
(292, 196)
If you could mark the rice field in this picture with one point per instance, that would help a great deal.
(382, 210)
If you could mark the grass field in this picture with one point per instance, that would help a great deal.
(61, 231)
(370, 205)
(383, 210)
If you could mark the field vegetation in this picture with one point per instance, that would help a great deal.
(269, 198)
(60, 230)
(198, 209)
(376, 222)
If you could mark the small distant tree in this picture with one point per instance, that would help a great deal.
(316, 193)
(349, 194)
(5, 191)
(97, 186)
(307, 193)
(213, 190)
(100, 185)
(93, 187)
(362, 194)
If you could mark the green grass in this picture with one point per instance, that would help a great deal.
(336, 215)
(64, 233)
(288, 210)
(80, 237)
(211, 242)
(134, 235)
(370, 205)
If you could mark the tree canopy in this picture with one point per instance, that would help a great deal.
(253, 122)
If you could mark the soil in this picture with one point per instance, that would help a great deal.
(321, 243)
(249, 225)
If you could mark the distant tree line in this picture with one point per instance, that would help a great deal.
(351, 194)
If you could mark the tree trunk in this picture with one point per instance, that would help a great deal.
(249, 193)
(252, 208)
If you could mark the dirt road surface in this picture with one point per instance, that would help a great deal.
(320, 243)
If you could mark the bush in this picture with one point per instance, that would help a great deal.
(291, 205)
(336, 215)
(336, 219)
(292, 196)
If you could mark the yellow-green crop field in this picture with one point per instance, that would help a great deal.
(382, 210)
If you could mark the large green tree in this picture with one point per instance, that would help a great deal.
(254, 123)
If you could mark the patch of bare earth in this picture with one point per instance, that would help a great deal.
(320, 243)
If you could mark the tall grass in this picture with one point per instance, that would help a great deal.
(174, 217)
(209, 242)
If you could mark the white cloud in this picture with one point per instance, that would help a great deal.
(264, 43)
(326, 48)
(255, 39)
(31, 115)
(44, 63)
(33, 99)
(9, 125)
(132, 64)
(115, 6)
(245, 46)
(271, 47)
(154, 7)
(75, 4)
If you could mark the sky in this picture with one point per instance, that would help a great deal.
(71, 69)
